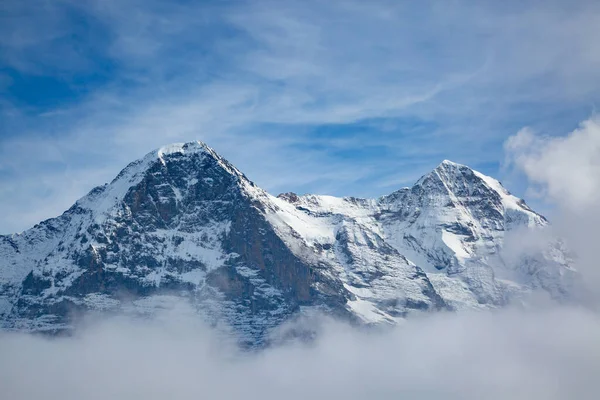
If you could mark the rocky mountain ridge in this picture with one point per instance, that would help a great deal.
(184, 223)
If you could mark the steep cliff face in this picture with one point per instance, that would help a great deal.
(183, 222)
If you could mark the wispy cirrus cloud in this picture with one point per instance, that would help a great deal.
(304, 96)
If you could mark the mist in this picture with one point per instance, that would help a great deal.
(552, 353)
(565, 171)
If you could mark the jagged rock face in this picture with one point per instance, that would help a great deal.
(454, 220)
(183, 222)
(189, 224)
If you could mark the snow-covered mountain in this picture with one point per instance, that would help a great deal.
(184, 223)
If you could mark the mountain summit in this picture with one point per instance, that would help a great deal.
(182, 222)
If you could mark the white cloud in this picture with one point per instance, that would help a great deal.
(567, 168)
(547, 354)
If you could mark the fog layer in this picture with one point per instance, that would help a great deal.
(512, 354)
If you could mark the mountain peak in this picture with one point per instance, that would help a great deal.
(197, 147)
(449, 166)
(448, 172)
(459, 181)
(165, 158)
(450, 163)
(184, 148)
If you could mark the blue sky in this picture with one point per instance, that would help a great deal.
(338, 97)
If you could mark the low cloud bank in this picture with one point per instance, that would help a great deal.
(510, 354)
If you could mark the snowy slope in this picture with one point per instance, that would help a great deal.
(452, 224)
(182, 222)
